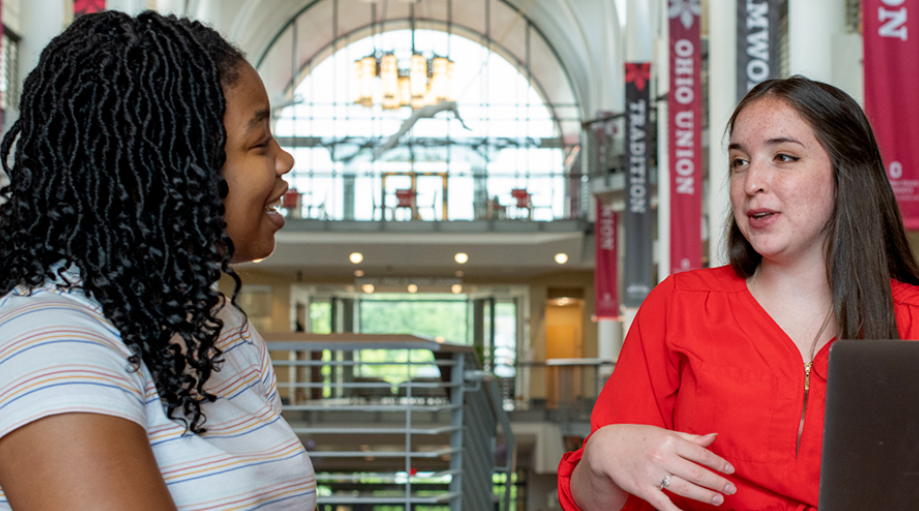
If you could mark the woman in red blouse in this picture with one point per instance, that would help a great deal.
(718, 395)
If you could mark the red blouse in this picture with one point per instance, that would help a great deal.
(702, 356)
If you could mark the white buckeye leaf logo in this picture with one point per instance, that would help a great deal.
(686, 10)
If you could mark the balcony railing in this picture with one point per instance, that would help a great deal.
(437, 196)
(396, 419)
(557, 390)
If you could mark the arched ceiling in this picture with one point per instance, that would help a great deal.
(582, 34)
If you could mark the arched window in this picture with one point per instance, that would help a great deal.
(495, 144)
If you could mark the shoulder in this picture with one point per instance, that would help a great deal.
(906, 308)
(904, 294)
(59, 354)
(685, 294)
(721, 278)
(48, 314)
(710, 280)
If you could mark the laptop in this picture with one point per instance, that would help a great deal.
(871, 433)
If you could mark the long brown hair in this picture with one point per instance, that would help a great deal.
(867, 243)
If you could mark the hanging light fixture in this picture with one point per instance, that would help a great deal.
(389, 75)
(415, 87)
(422, 82)
(450, 95)
(405, 89)
(418, 73)
(358, 74)
(440, 78)
(368, 71)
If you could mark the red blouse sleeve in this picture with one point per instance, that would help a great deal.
(641, 390)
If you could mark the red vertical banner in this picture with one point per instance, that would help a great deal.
(606, 304)
(81, 7)
(891, 102)
(684, 105)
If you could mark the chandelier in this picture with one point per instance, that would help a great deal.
(422, 82)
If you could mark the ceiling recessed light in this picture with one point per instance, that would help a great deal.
(461, 257)
(356, 257)
(368, 288)
(412, 288)
(457, 289)
(561, 258)
(359, 273)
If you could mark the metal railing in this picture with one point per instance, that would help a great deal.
(436, 196)
(395, 419)
(555, 383)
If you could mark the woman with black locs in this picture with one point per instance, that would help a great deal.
(144, 166)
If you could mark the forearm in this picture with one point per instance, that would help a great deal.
(593, 491)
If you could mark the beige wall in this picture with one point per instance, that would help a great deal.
(280, 294)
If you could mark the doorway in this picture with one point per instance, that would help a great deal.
(564, 340)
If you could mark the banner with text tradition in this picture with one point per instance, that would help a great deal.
(684, 110)
(638, 274)
(606, 273)
(891, 102)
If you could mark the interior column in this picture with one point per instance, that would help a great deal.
(722, 89)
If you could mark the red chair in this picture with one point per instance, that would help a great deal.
(292, 202)
(523, 199)
(522, 196)
(406, 199)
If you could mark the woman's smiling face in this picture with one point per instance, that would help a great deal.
(782, 184)
(253, 169)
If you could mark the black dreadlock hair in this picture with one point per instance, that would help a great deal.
(116, 171)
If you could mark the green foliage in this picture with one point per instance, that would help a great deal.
(445, 319)
(321, 317)
(399, 370)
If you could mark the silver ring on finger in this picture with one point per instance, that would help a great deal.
(665, 482)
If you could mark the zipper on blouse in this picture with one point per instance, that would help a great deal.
(807, 384)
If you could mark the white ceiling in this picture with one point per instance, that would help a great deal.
(585, 34)
(431, 254)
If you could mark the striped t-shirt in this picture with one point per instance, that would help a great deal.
(59, 354)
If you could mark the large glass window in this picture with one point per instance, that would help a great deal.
(431, 316)
(505, 338)
(493, 328)
(494, 146)
(9, 70)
